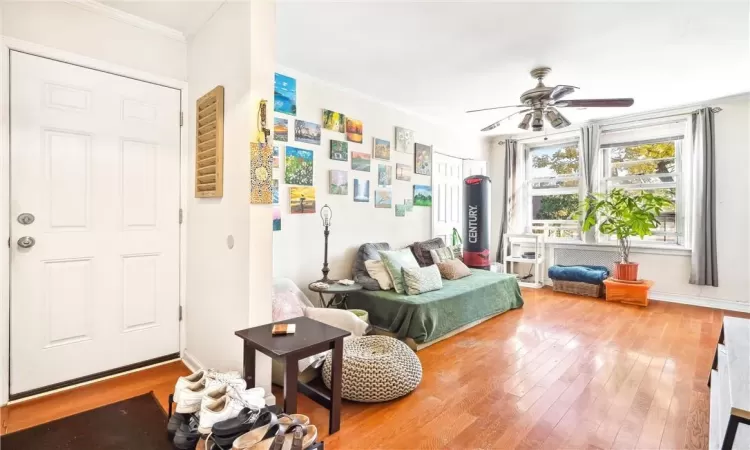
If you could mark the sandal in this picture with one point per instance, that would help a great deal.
(307, 434)
(266, 425)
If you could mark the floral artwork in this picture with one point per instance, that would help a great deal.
(403, 172)
(361, 161)
(261, 157)
(422, 159)
(280, 129)
(339, 182)
(422, 195)
(298, 166)
(404, 140)
(275, 191)
(339, 150)
(361, 190)
(385, 175)
(276, 152)
(285, 94)
(276, 218)
(381, 149)
(353, 130)
(383, 198)
(302, 200)
(333, 121)
(400, 210)
(306, 132)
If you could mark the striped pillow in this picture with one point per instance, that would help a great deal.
(422, 279)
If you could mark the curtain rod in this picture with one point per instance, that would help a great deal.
(715, 109)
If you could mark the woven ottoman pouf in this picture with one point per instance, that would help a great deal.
(376, 369)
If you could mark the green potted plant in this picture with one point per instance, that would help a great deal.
(624, 215)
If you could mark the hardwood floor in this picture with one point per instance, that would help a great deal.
(562, 372)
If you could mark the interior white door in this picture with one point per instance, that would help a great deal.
(474, 167)
(447, 191)
(95, 158)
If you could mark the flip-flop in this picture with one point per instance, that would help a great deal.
(285, 441)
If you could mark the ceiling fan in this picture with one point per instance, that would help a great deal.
(543, 101)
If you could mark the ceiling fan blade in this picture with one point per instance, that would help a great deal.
(562, 90)
(495, 107)
(596, 103)
(497, 124)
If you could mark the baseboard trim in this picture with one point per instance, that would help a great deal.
(703, 302)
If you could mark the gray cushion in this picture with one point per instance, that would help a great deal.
(359, 271)
(421, 250)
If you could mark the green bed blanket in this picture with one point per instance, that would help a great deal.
(431, 315)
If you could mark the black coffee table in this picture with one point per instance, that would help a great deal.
(311, 337)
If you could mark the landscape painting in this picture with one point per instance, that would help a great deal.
(306, 132)
(383, 198)
(276, 152)
(422, 159)
(276, 218)
(339, 150)
(361, 161)
(339, 182)
(400, 210)
(403, 172)
(381, 149)
(422, 195)
(285, 95)
(361, 190)
(280, 129)
(404, 140)
(385, 175)
(298, 166)
(275, 189)
(353, 130)
(333, 121)
(302, 200)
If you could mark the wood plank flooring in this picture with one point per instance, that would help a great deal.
(563, 372)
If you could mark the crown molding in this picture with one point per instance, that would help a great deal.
(130, 19)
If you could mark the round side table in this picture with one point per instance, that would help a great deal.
(339, 292)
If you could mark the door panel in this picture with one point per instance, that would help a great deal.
(95, 158)
(447, 189)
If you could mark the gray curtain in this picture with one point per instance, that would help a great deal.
(590, 160)
(703, 267)
(511, 155)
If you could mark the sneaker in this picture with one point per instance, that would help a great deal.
(224, 377)
(184, 381)
(215, 383)
(190, 398)
(227, 407)
(214, 392)
(187, 435)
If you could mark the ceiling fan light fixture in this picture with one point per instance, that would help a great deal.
(537, 124)
(556, 119)
(524, 125)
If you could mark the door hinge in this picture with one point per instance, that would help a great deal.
(180, 216)
(181, 118)
(179, 314)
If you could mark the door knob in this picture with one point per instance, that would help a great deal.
(26, 242)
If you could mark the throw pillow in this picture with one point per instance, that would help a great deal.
(394, 261)
(453, 269)
(442, 254)
(422, 279)
(359, 271)
(422, 249)
(377, 270)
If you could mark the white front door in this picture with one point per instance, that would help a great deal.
(95, 158)
(447, 191)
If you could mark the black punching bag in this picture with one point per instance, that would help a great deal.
(477, 221)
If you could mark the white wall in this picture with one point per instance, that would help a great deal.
(74, 29)
(298, 247)
(228, 289)
(671, 272)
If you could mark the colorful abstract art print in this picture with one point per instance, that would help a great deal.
(276, 152)
(422, 159)
(306, 132)
(385, 175)
(302, 200)
(400, 210)
(361, 190)
(275, 191)
(404, 140)
(353, 130)
(334, 121)
(339, 150)
(403, 172)
(285, 95)
(361, 161)
(422, 195)
(381, 149)
(409, 204)
(339, 182)
(280, 129)
(261, 161)
(383, 198)
(298, 166)
(276, 218)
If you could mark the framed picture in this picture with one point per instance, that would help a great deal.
(361, 161)
(306, 132)
(333, 121)
(403, 172)
(404, 140)
(298, 166)
(383, 198)
(422, 195)
(361, 190)
(302, 200)
(400, 210)
(280, 129)
(422, 159)
(276, 218)
(353, 130)
(285, 94)
(339, 150)
(339, 182)
(385, 175)
(381, 149)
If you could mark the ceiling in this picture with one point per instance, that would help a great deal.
(186, 17)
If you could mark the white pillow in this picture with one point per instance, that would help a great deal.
(339, 318)
(376, 269)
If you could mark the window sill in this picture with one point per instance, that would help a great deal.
(654, 249)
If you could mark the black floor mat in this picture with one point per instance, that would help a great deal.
(138, 423)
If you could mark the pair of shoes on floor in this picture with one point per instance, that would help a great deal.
(271, 432)
(186, 436)
(202, 376)
(221, 404)
(195, 391)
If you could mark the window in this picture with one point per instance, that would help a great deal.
(553, 186)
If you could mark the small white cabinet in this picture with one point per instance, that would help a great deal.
(514, 247)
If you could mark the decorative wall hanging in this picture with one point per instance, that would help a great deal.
(361, 161)
(400, 210)
(302, 200)
(361, 190)
(261, 162)
(339, 150)
(280, 129)
(422, 195)
(263, 131)
(276, 218)
(409, 204)
(381, 149)
(354, 130)
(383, 198)
(298, 166)
(333, 121)
(209, 144)
(339, 182)
(306, 132)
(385, 175)
(422, 159)
(285, 95)
(404, 140)
(403, 172)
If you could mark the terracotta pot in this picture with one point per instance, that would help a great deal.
(626, 271)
